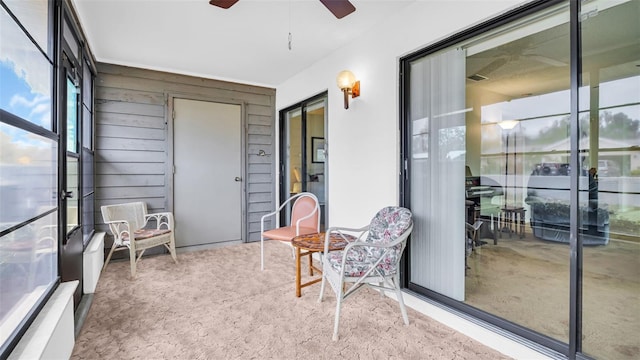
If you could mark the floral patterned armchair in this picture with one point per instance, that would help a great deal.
(372, 261)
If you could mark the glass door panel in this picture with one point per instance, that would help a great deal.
(489, 176)
(315, 150)
(518, 185)
(294, 182)
(303, 163)
(72, 166)
(72, 191)
(610, 182)
(71, 251)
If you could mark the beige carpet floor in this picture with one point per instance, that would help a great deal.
(217, 304)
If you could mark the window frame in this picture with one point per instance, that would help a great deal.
(25, 125)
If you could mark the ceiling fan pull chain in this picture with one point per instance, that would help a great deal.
(290, 37)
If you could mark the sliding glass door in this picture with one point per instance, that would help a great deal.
(609, 121)
(303, 152)
(526, 206)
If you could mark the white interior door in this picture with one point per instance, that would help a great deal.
(208, 169)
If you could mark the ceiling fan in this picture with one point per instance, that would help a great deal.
(512, 53)
(339, 8)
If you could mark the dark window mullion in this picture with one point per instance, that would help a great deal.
(18, 122)
(575, 241)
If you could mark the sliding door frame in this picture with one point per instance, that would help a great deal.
(283, 158)
(533, 339)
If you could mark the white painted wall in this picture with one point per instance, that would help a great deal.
(364, 141)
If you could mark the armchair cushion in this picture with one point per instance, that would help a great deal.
(385, 227)
(145, 234)
(358, 262)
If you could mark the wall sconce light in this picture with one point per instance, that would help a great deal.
(349, 86)
(508, 124)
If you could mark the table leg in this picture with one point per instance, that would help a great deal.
(310, 263)
(512, 218)
(494, 229)
(298, 277)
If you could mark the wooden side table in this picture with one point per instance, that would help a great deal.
(512, 220)
(314, 243)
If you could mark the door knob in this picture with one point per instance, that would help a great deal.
(238, 178)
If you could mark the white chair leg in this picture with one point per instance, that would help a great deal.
(403, 310)
(113, 248)
(132, 260)
(172, 249)
(337, 320)
(322, 284)
(261, 252)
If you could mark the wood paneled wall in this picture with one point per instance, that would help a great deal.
(132, 138)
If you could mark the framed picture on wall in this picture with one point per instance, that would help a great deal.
(317, 149)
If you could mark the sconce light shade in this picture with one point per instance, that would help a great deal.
(508, 124)
(345, 79)
(349, 85)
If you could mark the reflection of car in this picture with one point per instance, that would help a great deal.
(608, 168)
(551, 169)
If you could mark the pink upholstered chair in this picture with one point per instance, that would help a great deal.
(305, 219)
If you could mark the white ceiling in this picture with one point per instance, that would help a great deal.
(246, 43)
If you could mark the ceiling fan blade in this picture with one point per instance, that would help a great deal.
(547, 60)
(225, 4)
(492, 66)
(339, 8)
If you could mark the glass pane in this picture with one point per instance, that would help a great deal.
(87, 86)
(88, 221)
(70, 38)
(87, 172)
(316, 152)
(72, 186)
(610, 191)
(294, 179)
(87, 129)
(72, 117)
(517, 185)
(34, 16)
(28, 175)
(26, 75)
(28, 266)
